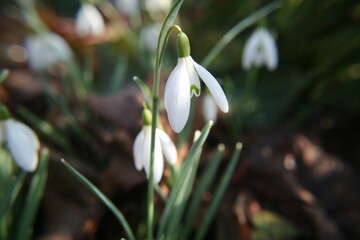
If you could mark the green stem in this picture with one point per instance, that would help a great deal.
(164, 34)
(233, 32)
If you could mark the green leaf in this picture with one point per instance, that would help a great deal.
(145, 90)
(219, 193)
(33, 198)
(118, 76)
(205, 181)
(183, 184)
(92, 188)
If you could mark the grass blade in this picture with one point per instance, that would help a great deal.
(224, 182)
(33, 198)
(180, 187)
(102, 197)
(204, 184)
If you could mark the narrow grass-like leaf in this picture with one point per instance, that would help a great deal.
(145, 90)
(92, 188)
(13, 191)
(118, 76)
(179, 185)
(204, 184)
(174, 223)
(33, 198)
(219, 193)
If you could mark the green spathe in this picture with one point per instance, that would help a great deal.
(4, 112)
(183, 45)
(147, 117)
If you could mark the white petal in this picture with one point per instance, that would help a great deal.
(213, 86)
(45, 49)
(158, 157)
(89, 21)
(209, 109)
(168, 147)
(250, 52)
(128, 7)
(138, 150)
(177, 96)
(155, 6)
(269, 50)
(149, 35)
(23, 144)
(195, 86)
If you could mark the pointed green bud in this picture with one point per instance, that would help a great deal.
(4, 112)
(183, 45)
(147, 117)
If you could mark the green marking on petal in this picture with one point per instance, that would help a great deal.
(194, 89)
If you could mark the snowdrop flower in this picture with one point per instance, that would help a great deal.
(89, 21)
(184, 82)
(46, 49)
(209, 108)
(128, 7)
(164, 147)
(149, 36)
(154, 6)
(260, 49)
(22, 143)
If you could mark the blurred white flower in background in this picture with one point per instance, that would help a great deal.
(89, 21)
(209, 108)
(128, 7)
(164, 147)
(46, 49)
(260, 49)
(22, 143)
(149, 36)
(155, 6)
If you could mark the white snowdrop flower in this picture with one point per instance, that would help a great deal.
(128, 7)
(164, 147)
(158, 5)
(22, 143)
(260, 49)
(46, 49)
(209, 108)
(184, 82)
(149, 36)
(89, 21)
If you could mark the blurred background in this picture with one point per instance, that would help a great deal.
(298, 176)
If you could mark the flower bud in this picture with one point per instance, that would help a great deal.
(147, 117)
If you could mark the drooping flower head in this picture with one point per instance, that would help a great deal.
(164, 147)
(89, 21)
(46, 49)
(184, 82)
(20, 140)
(260, 49)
